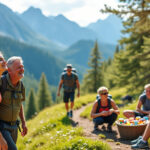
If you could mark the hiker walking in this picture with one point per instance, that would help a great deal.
(13, 93)
(70, 81)
(104, 110)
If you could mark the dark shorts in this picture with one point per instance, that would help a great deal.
(108, 119)
(136, 113)
(67, 96)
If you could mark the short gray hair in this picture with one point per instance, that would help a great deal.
(101, 89)
(147, 86)
(12, 59)
(1, 54)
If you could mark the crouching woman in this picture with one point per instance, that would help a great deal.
(104, 110)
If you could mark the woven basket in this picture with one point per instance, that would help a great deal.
(130, 132)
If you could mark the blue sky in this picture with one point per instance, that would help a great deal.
(81, 11)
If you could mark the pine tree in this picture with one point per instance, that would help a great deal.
(137, 26)
(30, 105)
(44, 96)
(94, 78)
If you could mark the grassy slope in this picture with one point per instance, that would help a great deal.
(52, 130)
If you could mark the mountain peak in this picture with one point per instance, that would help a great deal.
(112, 18)
(4, 7)
(33, 11)
(61, 17)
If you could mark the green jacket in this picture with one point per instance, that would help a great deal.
(11, 101)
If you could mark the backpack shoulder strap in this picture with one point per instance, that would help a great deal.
(21, 88)
(3, 88)
(109, 103)
(4, 84)
(99, 105)
(65, 75)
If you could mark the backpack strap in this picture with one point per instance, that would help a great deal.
(4, 84)
(65, 75)
(109, 103)
(3, 88)
(99, 103)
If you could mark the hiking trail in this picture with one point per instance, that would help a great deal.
(113, 139)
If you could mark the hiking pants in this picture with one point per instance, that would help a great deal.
(109, 119)
(10, 134)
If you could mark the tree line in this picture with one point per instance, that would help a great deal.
(39, 100)
(130, 65)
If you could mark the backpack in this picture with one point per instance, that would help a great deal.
(3, 88)
(99, 104)
(74, 86)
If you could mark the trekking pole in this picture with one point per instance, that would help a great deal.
(18, 122)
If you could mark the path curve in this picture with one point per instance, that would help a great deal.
(87, 126)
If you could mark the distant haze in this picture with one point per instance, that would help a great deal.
(54, 41)
(81, 11)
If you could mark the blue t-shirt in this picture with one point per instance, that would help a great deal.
(145, 101)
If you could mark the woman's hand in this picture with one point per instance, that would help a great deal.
(117, 112)
(105, 113)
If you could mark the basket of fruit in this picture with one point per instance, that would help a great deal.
(131, 128)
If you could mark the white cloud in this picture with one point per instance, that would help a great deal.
(81, 11)
(90, 12)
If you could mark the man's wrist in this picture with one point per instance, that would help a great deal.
(23, 122)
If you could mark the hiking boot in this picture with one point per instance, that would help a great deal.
(103, 127)
(136, 140)
(95, 127)
(71, 114)
(109, 128)
(67, 114)
(140, 145)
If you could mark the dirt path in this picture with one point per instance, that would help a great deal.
(112, 139)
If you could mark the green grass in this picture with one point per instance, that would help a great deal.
(86, 112)
(129, 106)
(102, 136)
(83, 100)
(52, 130)
(109, 140)
(117, 94)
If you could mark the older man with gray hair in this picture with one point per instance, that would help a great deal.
(13, 94)
(143, 106)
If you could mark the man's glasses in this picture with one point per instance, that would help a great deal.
(105, 93)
